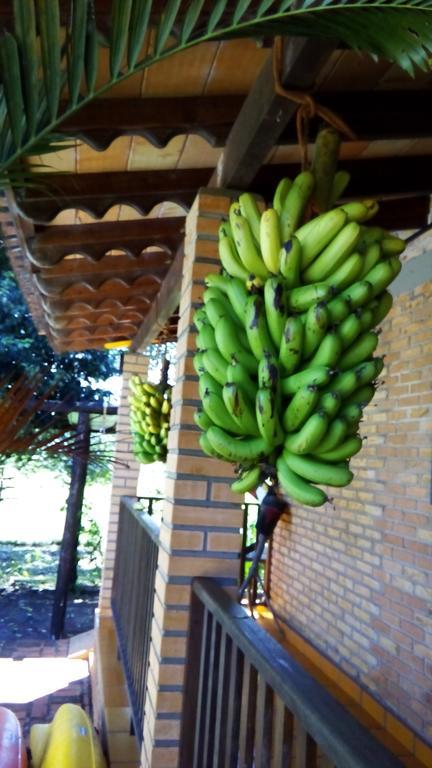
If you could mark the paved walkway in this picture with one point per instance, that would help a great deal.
(37, 676)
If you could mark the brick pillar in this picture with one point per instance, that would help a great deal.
(125, 475)
(202, 517)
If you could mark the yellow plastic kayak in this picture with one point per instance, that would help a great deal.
(68, 742)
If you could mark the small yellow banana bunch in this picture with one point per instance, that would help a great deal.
(150, 411)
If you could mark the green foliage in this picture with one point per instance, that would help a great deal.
(397, 30)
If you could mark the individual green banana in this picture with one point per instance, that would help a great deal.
(248, 481)
(215, 365)
(217, 308)
(347, 382)
(207, 383)
(275, 308)
(338, 309)
(360, 350)
(295, 204)
(352, 413)
(349, 448)
(215, 409)
(309, 436)
(328, 351)
(268, 373)
(200, 318)
(329, 403)
(382, 274)
(318, 233)
(235, 290)
(361, 396)
(370, 235)
(317, 471)
(297, 488)
(245, 359)
(300, 408)
(247, 248)
(357, 294)
(392, 246)
(238, 407)
(334, 254)
(315, 376)
(370, 258)
(349, 329)
(385, 303)
(207, 447)
(291, 347)
(300, 299)
(290, 258)
(237, 374)
(205, 339)
(237, 451)
(346, 274)
(360, 211)
(230, 338)
(315, 326)
(250, 211)
(366, 317)
(256, 327)
(270, 241)
(228, 256)
(233, 215)
(202, 420)
(267, 418)
(334, 436)
(280, 194)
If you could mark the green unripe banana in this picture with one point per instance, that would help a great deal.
(202, 420)
(328, 351)
(247, 481)
(205, 339)
(360, 211)
(318, 233)
(309, 436)
(200, 318)
(334, 435)
(357, 294)
(250, 211)
(334, 254)
(352, 413)
(349, 448)
(360, 350)
(236, 451)
(300, 408)
(346, 274)
(268, 373)
(317, 471)
(297, 488)
(300, 299)
(229, 258)
(382, 274)
(291, 348)
(392, 246)
(247, 248)
(257, 329)
(215, 365)
(238, 407)
(349, 329)
(275, 308)
(270, 241)
(338, 309)
(267, 418)
(280, 194)
(237, 374)
(215, 409)
(290, 258)
(310, 376)
(329, 403)
(315, 326)
(385, 303)
(229, 338)
(371, 257)
(361, 396)
(295, 204)
(207, 383)
(207, 447)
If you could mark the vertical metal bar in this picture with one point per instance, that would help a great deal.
(202, 691)
(192, 693)
(210, 709)
(247, 717)
(283, 726)
(234, 708)
(263, 724)
(305, 748)
(226, 646)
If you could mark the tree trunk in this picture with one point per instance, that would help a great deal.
(67, 558)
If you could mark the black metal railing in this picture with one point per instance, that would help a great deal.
(133, 597)
(248, 704)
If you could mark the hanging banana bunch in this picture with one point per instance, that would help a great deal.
(150, 409)
(286, 337)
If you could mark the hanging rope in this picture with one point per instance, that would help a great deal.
(308, 107)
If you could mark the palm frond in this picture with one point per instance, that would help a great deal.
(399, 31)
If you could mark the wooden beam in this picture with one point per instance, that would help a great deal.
(96, 193)
(163, 306)
(265, 115)
(156, 119)
(70, 270)
(95, 240)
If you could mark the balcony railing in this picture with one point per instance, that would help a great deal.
(133, 597)
(248, 704)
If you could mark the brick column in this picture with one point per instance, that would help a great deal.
(125, 475)
(202, 517)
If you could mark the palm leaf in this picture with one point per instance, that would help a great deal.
(399, 31)
(25, 34)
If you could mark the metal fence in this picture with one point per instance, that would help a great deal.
(133, 597)
(248, 704)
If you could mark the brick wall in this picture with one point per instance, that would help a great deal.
(355, 578)
(125, 473)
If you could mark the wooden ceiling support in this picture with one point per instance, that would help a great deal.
(265, 115)
(96, 193)
(157, 119)
(82, 268)
(96, 240)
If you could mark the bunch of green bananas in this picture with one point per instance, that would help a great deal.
(149, 419)
(286, 339)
